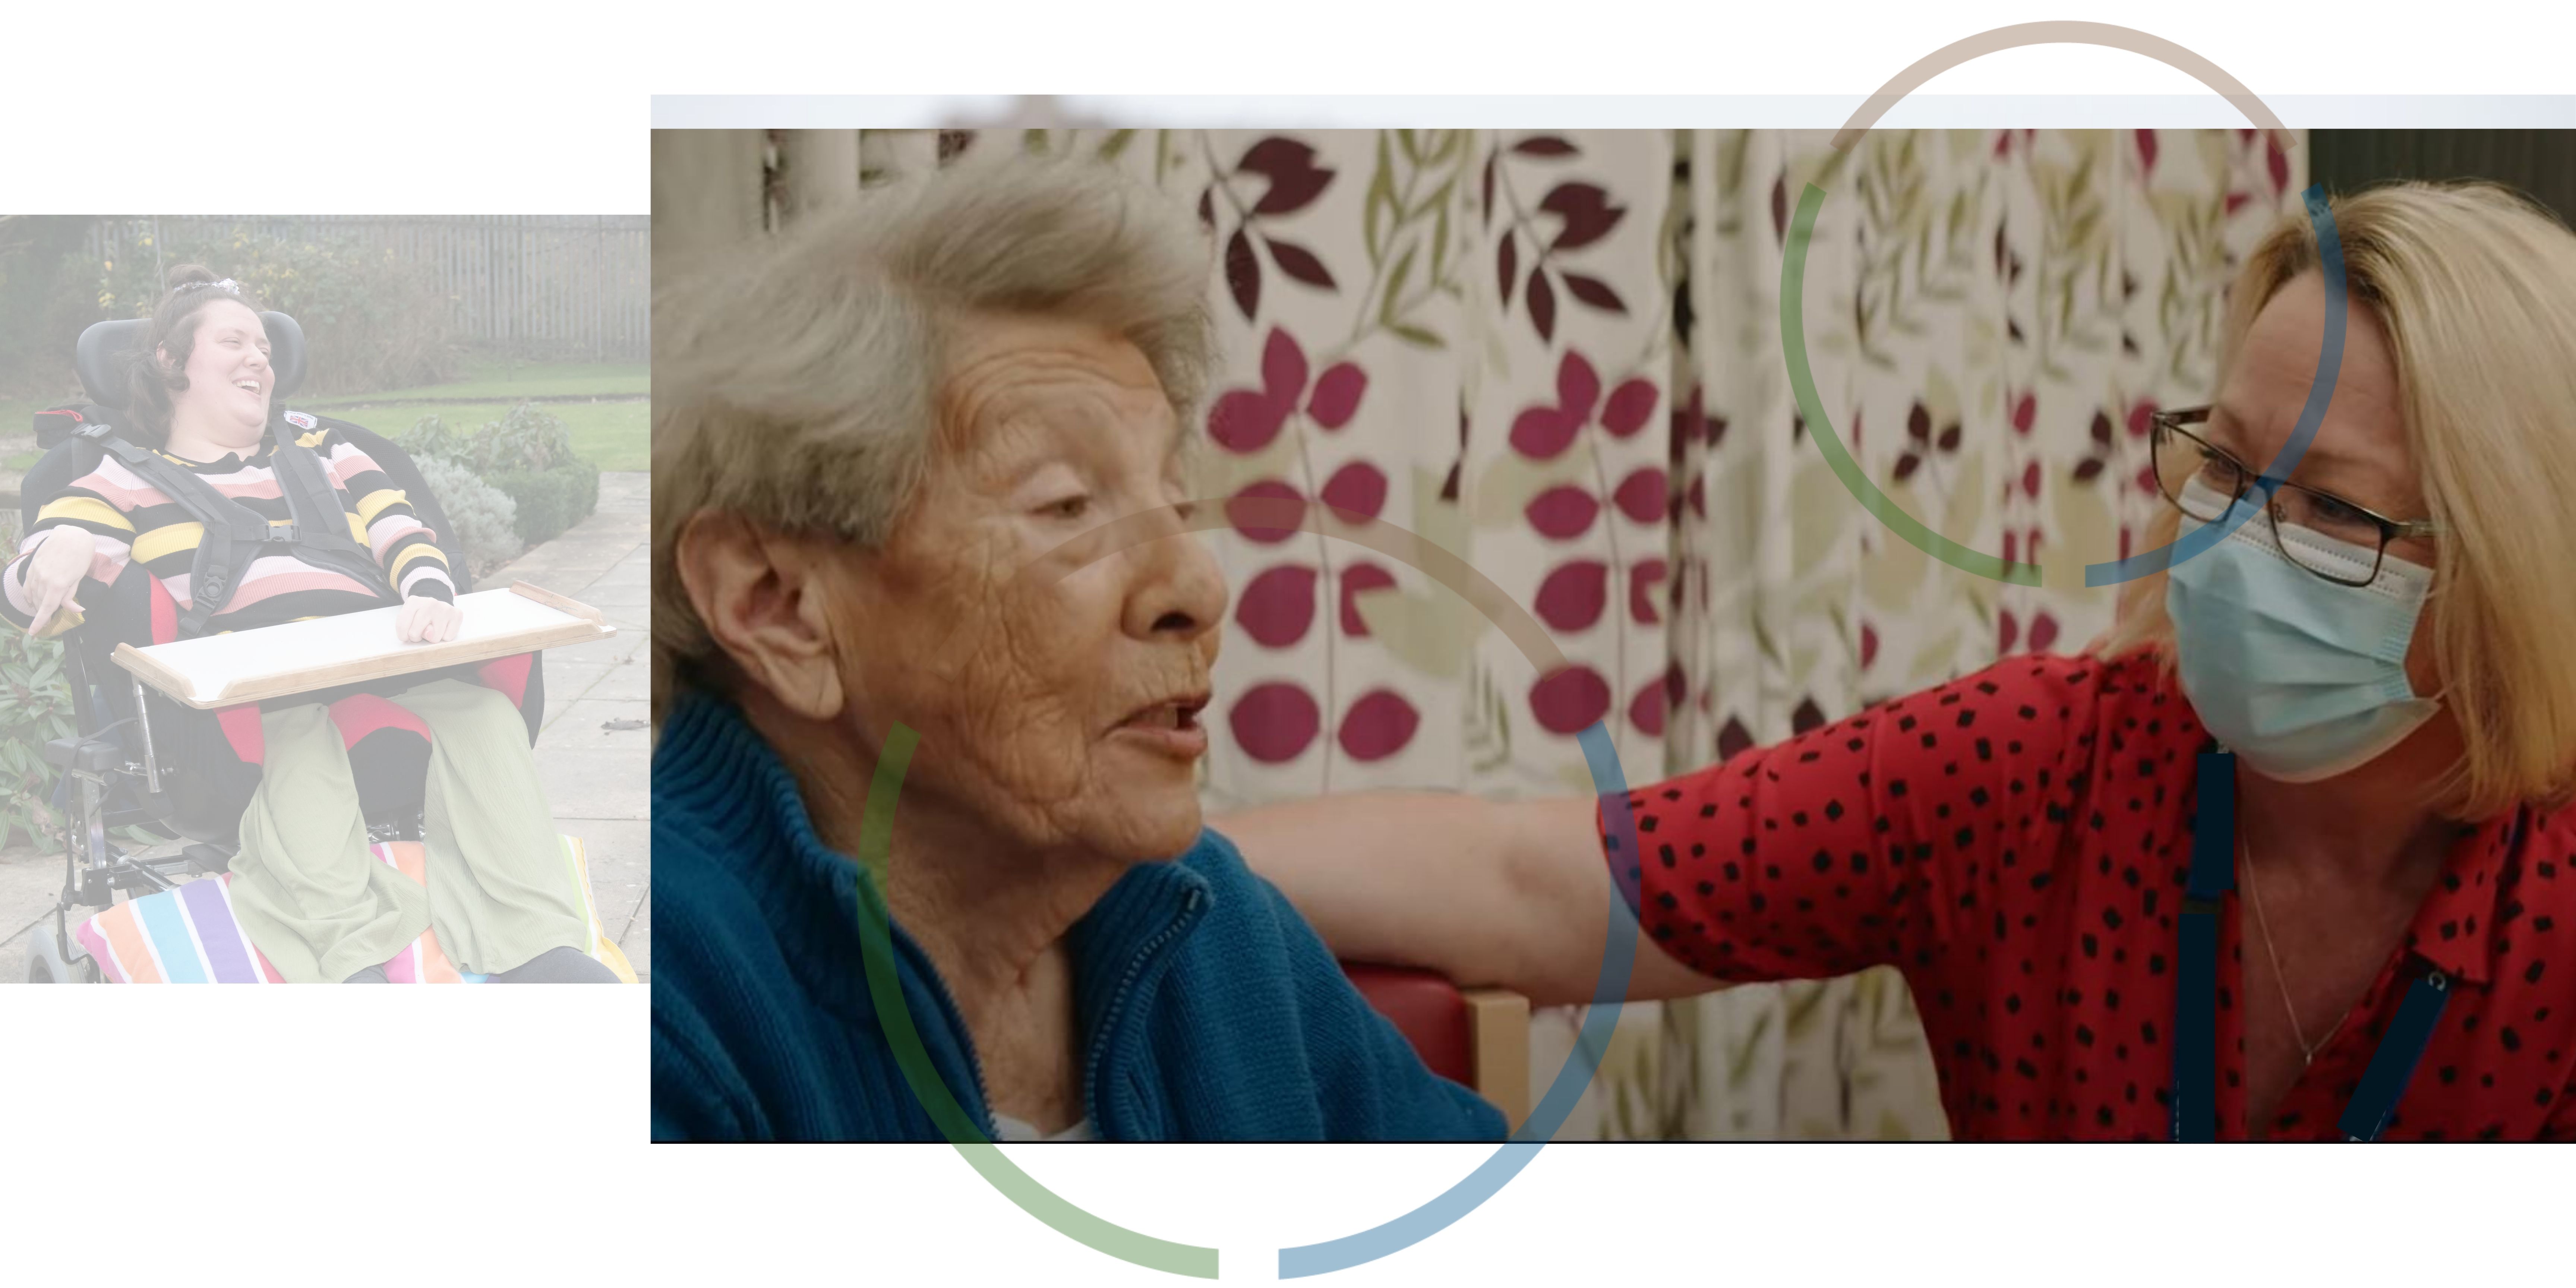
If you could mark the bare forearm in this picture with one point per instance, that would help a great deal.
(1393, 877)
(1509, 894)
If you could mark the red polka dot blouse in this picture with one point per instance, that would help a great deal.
(2016, 843)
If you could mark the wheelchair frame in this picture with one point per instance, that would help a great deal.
(100, 767)
(118, 781)
(112, 765)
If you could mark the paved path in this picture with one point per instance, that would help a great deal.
(599, 778)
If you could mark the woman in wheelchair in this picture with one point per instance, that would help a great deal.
(305, 889)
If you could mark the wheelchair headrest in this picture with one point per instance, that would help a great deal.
(101, 356)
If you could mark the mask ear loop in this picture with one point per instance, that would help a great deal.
(2431, 591)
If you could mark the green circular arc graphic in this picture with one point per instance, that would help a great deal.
(1793, 345)
(1793, 270)
(875, 851)
(876, 948)
(876, 831)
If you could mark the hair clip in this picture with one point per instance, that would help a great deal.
(228, 286)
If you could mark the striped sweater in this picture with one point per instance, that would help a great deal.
(131, 520)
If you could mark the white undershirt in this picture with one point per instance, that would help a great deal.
(1010, 1130)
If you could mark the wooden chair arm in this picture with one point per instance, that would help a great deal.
(1498, 1027)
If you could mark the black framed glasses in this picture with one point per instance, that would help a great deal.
(2299, 515)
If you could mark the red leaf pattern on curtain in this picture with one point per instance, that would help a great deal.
(1711, 586)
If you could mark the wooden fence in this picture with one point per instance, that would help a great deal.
(560, 286)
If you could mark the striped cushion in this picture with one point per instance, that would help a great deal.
(189, 935)
(182, 936)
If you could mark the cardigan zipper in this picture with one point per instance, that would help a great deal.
(956, 1021)
(1118, 1004)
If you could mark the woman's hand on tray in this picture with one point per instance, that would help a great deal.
(423, 620)
(55, 572)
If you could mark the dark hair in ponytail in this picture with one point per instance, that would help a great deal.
(151, 384)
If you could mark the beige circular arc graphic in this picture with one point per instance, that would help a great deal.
(1802, 382)
(1523, 631)
(1296, 514)
(2061, 33)
(1262, 515)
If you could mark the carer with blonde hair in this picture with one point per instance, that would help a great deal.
(2290, 857)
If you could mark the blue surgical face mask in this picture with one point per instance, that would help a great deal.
(2303, 678)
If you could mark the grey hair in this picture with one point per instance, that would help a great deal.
(796, 381)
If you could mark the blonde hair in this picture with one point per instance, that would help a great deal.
(796, 381)
(2475, 285)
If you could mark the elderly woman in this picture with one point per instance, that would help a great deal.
(2378, 657)
(862, 435)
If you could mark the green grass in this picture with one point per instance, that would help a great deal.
(611, 435)
(498, 379)
(17, 420)
(615, 435)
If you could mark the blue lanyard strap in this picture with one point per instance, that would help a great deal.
(2195, 1037)
(2213, 874)
(2393, 1065)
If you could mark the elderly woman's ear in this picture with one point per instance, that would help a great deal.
(767, 600)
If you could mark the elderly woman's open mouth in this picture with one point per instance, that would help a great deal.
(1104, 964)
(1169, 727)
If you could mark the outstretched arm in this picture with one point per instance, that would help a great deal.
(1511, 894)
(1880, 839)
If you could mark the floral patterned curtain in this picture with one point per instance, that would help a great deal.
(1558, 355)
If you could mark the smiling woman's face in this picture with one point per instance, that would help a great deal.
(1061, 712)
(229, 380)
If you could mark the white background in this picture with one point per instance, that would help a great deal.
(474, 1136)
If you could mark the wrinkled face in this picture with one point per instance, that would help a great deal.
(1064, 713)
(228, 373)
(2359, 453)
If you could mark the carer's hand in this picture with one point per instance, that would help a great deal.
(55, 571)
(423, 620)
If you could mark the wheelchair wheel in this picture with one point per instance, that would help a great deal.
(45, 964)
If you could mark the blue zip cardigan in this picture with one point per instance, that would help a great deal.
(1209, 1010)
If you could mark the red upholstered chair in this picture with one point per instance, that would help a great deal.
(1477, 1037)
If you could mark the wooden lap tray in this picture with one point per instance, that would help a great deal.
(297, 657)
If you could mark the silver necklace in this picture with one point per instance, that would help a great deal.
(2307, 1052)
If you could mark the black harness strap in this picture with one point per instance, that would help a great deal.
(235, 534)
(55, 425)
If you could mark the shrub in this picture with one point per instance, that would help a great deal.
(550, 500)
(528, 439)
(430, 438)
(44, 302)
(35, 708)
(526, 455)
(485, 518)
